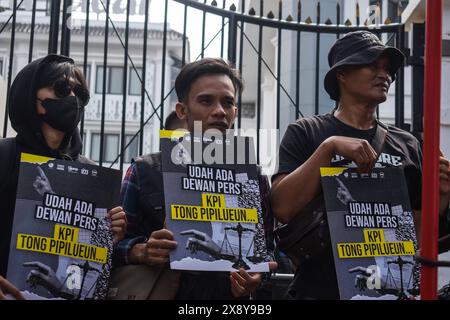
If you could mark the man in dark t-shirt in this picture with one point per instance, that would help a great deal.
(362, 70)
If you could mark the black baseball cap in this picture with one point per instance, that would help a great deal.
(358, 48)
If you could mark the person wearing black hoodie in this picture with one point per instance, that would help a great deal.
(46, 101)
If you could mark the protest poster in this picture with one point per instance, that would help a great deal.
(372, 233)
(61, 240)
(213, 203)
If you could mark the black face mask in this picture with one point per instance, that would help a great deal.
(62, 114)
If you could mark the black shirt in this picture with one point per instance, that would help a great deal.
(401, 149)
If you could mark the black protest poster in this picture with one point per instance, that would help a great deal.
(61, 240)
(213, 203)
(372, 233)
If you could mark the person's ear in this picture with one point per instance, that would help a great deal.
(340, 75)
(181, 110)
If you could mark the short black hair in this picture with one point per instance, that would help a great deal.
(57, 71)
(172, 121)
(191, 71)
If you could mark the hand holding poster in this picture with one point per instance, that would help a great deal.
(372, 233)
(61, 239)
(213, 208)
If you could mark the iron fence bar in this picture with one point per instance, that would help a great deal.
(124, 88)
(258, 93)
(163, 76)
(397, 8)
(338, 35)
(358, 22)
(144, 76)
(183, 58)
(285, 25)
(241, 57)
(11, 16)
(141, 129)
(65, 31)
(316, 97)
(338, 18)
(33, 23)
(417, 79)
(297, 76)
(129, 58)
(155, 110)
(86, 39)
(222, 35)
(272, 73)
(280, 15)
(378, 34)
(399, 84)
(232, 35)
(54, 26)
(105, 68)
(10, 65)
(203, 32)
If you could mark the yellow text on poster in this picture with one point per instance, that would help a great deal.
(212, 200)
(66, 233)
(59, 245)
(373, 235)
(200, 213)
(375, 249)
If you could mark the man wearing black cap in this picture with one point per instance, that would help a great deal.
(361, 71)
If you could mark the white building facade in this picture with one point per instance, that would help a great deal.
(94, 73)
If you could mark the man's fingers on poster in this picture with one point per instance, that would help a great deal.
(236, 289)
(158, 252)
(444, 176)
(273, 265)
(363, 163)
(116, 212)
(119, 222)
(251, 280)
(157, 261)
(251, 277)
(371, 152)
(444, 168)
(7, 287)
(118, 233)
(116, 230)
(240, 278)
(161, 244)
(367, 157)
(162, 234)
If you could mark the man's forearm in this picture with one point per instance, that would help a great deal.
(294, 191)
